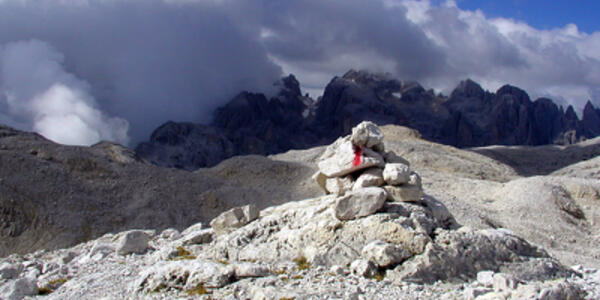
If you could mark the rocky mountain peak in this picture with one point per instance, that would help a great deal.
(591, 119)
(570, 114)
(513, 93)
(289, 84)
(468, 88)
(469, 117)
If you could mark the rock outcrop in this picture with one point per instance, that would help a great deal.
(358, 164)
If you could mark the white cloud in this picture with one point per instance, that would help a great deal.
(438, 45)
(44, 97)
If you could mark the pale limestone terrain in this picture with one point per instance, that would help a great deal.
(517, 234)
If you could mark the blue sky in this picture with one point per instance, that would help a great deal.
(542, 14)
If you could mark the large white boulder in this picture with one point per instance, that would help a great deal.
(360, 203)
(342, 158)
(396, 174)
(367, 134)
(234, 218)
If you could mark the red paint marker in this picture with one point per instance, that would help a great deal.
(357, 155)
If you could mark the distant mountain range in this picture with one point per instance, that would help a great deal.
(470, 117)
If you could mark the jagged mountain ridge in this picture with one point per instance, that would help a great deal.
(470, 117)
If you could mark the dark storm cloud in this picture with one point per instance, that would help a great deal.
(349, 34)
(147, 61)
(108, 67)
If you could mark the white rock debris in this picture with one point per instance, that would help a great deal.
(351, 246)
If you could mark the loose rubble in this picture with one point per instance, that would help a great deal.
(359, 243)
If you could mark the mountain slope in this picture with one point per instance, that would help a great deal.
(54, 196)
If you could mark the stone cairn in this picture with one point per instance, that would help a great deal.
(363, 175)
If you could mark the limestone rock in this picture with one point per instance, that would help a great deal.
(360, 203)
(339, 185)
(464, 253)
(249, 269)
(194, 228)
(404, 193)
(311, 229)
(100, 250)
(170, 234)
(384, 254)
(440, 213)
(18, 289)
(367, 134)
(337, 270)
(472, 293)
(370, 177)
(562, 291)
(134, 241)
(184, 275)
(415, 179)
(391, 157)
(363, 267)
(199, 237)
(321, 180)
(504, 282)
(396, 174)
(342, 158)
(486, 278)
(234, 218)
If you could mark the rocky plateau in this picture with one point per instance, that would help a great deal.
(380, 213)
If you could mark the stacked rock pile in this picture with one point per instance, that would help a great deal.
(359, 170)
